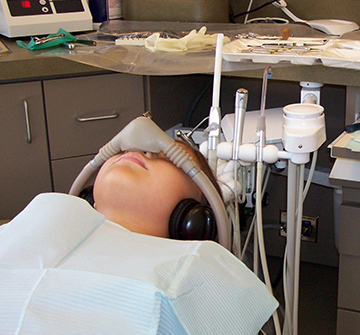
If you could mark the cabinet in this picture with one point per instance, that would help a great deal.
(43, 149)
(349, 266)
(345, 173)
(24, 164)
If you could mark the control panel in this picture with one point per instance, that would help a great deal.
(41, 17)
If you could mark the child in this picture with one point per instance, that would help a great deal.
(139, 191)
(67, 268)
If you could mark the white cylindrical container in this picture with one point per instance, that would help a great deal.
(303, 128)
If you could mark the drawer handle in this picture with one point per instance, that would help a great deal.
(96, 118)
(27, 121)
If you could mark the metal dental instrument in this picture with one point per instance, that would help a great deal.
(187, 137)
(86, 42)
(241, 99)
(256, 36)
(288, 50)
(43, 40)
(72, 45)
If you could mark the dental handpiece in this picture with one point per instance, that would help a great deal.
(241, 99)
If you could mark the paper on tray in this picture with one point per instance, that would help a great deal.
(241, 50)
(346, 49)
(341, 53)
(354, 142)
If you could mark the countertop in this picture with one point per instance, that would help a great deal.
(22, 64)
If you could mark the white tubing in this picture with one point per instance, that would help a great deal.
(287, 321)
(261, 241)
(256, 250)
(310, 176)
(215, 113)
(248, 10)
(252, 225)
(237, 236)
(291, 15)
(299, 212)
(290, 240)
(265, 183)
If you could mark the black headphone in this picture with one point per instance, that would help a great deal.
(190, 220)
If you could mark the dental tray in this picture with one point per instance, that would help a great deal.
(303, 51)
(138, 38)
(130, 41)
(134, 38)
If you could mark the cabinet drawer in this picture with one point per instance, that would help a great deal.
(66, 170)
(347, 322)
(349, 278)
(349, 230)
(351, 195)
(85, 113)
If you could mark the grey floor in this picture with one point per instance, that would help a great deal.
(318, 296)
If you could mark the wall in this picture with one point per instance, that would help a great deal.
(304, 9)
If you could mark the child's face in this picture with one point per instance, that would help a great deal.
(143, 186)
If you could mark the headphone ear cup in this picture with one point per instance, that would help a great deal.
(87, 194)
(192, 220)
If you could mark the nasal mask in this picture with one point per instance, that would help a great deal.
(142, 134)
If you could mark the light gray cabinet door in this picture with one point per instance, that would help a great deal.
(24, 163)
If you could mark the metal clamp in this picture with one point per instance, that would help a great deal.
(43, 40)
